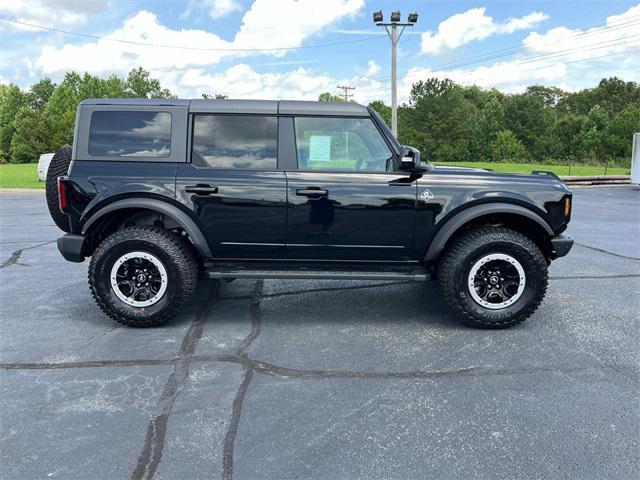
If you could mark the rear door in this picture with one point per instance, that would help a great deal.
(234, 186)
(346, 199)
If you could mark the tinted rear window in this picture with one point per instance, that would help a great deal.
(130, 134)
(235, 141)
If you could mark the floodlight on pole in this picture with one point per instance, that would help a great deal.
(392, 30)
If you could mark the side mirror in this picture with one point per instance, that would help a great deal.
(410, 158)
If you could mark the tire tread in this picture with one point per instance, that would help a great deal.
(461, 248)
(59, 166)
(178, 250)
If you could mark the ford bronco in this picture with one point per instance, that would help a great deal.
(161, 192)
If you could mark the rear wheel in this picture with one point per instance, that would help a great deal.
(493, 277)
(143, 276)
(59, 166)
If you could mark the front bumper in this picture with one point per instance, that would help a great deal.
(70, 246)
(561, 245)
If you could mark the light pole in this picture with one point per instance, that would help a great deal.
(392, 30)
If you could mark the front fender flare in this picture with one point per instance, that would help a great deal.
(180, 217)
(453, 224)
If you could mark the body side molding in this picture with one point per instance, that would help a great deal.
(458, 220)
(192, 229)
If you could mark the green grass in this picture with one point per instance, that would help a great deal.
(19, 176)
(582, 170)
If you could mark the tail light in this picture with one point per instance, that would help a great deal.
(62, 194)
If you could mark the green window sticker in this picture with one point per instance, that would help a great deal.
(319, 148)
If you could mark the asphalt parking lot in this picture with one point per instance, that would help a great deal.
(322, 379)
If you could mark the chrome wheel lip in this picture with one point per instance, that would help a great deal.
(489, 258)
(156, 263)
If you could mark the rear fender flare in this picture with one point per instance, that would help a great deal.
(453, 224)
(180, 217)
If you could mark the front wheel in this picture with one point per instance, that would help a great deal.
(493, 277)
(143, 276)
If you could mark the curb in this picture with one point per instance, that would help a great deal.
(22, 191)
(597, 180)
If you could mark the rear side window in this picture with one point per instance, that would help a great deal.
(235, 141)
(130, 134)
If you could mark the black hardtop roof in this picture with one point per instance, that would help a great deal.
(265, 107)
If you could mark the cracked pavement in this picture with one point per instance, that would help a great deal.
(322, 379)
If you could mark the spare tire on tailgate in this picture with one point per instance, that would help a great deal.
(59, 166)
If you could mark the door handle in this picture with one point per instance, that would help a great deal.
(312, 192)
(201, 189)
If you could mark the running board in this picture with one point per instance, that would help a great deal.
(317, 274)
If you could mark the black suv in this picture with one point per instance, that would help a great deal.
(159, 192)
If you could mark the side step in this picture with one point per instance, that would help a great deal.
(317, 274)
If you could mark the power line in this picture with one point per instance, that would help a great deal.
(345, 91)
(537, 58)
(181, 47)
(539, 67)
(504, 52)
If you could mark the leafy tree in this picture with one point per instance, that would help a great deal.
(529, 119)
(13, 99)
(442, 120)
(620, 130)
(550, 96)
(30, 137)
(594, 137)
(215, 96)
(329, 97)
(39, 94)
(139, 84)
(507, 148)
(565, 136)
(490, 122)
(614, 94)
(60, 112)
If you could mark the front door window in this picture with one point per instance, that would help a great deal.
(341, 144)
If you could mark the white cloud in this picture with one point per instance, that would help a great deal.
(105, 56)
(215, 8)
(509, 76)
(620, 35)
(262, 28)
(51, 12)
(372, 69)
(276, 23)
(242, 81)
(473, 25)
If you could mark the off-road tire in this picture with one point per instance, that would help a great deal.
(470, 247)
(59, 166)
(177, 257)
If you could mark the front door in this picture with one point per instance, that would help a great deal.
(234, 187)
(346, 201)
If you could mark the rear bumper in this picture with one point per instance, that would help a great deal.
(70, 246)
(561, 245)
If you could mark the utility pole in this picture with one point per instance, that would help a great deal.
(392, 30)
(345, 92)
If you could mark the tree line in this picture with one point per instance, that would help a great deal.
(446, 121)
(449, 122)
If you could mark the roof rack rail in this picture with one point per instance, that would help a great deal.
(545, 172)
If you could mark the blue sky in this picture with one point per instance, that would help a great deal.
(300, 48)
